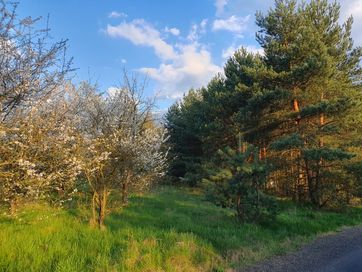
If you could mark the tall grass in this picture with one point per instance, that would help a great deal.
(167, 230)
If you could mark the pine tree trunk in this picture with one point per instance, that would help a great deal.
(312, 186)
(296, 109)
(320, 162)
(244, 147)
(264, 151)
(239, 208)
(321, 123)
(299, 180)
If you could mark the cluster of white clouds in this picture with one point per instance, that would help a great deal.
(182, 65)
(197, 30)
(173, 30)
(187, 63)
(191, 67)
(233, 24)
(139, 32)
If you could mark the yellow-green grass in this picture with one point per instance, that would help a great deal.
(169, 229)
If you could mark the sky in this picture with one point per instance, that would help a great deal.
(176, 45)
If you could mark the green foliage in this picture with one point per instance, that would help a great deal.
(300, 102)
(184, 144)
(237, 182)
(168, 230)
(355, 169)
(291, 141)
(328, 154)
(313, 58)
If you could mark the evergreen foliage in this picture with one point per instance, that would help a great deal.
(237, 180)
(299, 104)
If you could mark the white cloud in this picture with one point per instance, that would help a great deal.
(173, 30)
(197, 30)
(192, 68)
(139, 32)
(228, 52)
(220, 5)
(116, 14)
(233, 24)
(193, 36)
(124, 61)
(203, 25)
(182, 66)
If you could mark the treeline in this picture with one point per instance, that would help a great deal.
(285, 123)
(60, 142)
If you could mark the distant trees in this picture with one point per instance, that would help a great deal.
(183, 124)
(297, 104)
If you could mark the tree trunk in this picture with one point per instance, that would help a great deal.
(300, 180)
(125, 184)
(321, 122)
(13, 207)
(239, 208)
(99, 206)
(264, 152)
(296, 109)
(102, 200)
(312, 186)
(320, 162)
(94, 208)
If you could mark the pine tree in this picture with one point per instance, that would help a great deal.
(183, 122)
(237, 180)
(315, 63)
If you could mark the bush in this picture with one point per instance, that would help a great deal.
(236, 182)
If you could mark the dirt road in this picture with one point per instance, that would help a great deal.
(340, 252)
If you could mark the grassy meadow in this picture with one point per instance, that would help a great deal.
(169, 229)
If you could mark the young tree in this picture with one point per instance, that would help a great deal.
(121, 151)
(237, 182)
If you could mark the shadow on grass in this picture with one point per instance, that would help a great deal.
(176, 210)
(173, 210)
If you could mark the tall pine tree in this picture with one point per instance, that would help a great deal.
(313, 60)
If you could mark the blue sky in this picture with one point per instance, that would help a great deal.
(178, 44)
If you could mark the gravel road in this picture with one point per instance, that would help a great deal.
(340, 252)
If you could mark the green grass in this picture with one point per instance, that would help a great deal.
(168, 230)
